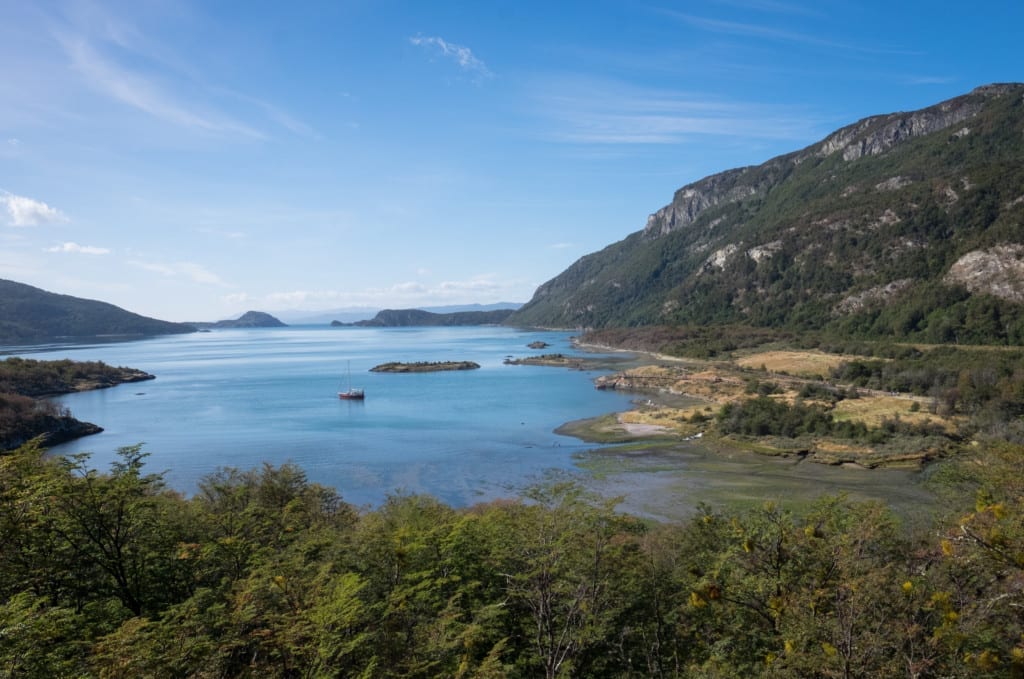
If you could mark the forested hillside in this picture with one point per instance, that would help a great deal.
(905, 225)
(28, 314)
(395, 318)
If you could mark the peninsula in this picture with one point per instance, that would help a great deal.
(24, 412)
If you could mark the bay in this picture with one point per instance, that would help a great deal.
(242, 397)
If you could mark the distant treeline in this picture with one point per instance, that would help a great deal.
(394, 318)
(30, 377)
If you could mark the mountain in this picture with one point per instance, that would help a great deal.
(352, 314)
(395, 318)
(907, 224)
(307, 317)
(28, 315)
(461, 308)
(250, 319)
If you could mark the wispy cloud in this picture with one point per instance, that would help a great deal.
(24, 211)
(930, 80)
(588, 111)
(79, 249)
(143, 93)
(772, 6)
(188, 270)
(772, 33)
(463, 56)
(132, 65)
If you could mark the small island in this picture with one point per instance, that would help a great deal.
(538, 344)
(556, 360)
(424, 366)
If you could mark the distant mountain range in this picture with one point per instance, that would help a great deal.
(396, 318)
(906, 225)
(31, 315)
(353, 314)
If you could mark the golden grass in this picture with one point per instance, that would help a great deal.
(801, 363)
(661, 417)
(873, 410)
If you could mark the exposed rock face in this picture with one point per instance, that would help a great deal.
(873, 136)
(718, 258)
(764, 251)
(690, 201)
(997, 271)
(875, 295)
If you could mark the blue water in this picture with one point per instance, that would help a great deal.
(238, 398)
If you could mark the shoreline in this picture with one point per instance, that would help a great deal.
(664, 468)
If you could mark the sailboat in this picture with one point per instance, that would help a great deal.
(351, 394)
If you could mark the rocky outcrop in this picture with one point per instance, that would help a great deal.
(876, 135)
(692, 200)
(997, 271)
(876, 295)
(50, 428)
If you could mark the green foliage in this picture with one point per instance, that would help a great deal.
(266, 574)
(764, 416)
(29, 377)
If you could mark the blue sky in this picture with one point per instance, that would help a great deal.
(192, 160)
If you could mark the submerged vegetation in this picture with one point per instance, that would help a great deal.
(265, 574)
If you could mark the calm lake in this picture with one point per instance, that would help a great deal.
(239, 398)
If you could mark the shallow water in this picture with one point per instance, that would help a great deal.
(669, 483)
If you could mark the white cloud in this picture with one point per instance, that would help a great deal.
(189, 270)
(463, 56)
(404, 294)
(749, 30)
(24, 211)
(236, 299)
(596, 111)
(79, 249)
